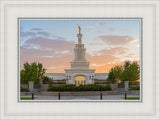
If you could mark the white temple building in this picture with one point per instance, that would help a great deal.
(79, 72)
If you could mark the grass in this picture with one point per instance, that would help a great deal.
(132, 98)
(27, 98)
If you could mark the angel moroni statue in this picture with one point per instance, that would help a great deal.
(79, 36)
(79, 29)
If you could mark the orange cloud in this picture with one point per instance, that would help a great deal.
(57, 61)
(52, 53)
(116, 40)
(56, 53)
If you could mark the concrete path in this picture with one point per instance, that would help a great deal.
(77, 98)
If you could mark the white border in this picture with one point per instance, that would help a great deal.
(10, 109)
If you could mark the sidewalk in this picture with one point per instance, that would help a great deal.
(107, 97)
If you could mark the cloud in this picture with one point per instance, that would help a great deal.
(116, 40)
(95, 43)
(59, 58)
(55, 53)
(46, 34)
(115, 51)
(97, 65)
(47, 57)
(27, 34)
(100, 24)
(51, 52)
(50, 43)
(104, 60)
(36, 29)
(96, 25)
(48, 61)
(55, 58)
(105, 56)
(101, 59)
(63, 52)
(31, 46)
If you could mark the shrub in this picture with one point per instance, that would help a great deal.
(80, 88)
(24, 90)
(135, 88)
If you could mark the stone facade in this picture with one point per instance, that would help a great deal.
(79, 72)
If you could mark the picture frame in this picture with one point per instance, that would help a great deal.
(12, 109)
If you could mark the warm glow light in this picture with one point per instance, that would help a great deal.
(119, 81)
(137, 80)
(80, 80)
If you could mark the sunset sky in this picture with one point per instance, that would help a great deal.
(51, 42)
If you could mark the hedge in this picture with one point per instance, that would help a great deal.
(24, 90)
(134, 88)
(79, 88)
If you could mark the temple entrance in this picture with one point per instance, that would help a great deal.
(80, 80)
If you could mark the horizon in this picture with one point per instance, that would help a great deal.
(51, 42)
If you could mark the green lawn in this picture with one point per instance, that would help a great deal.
(27, 98)
(132, 98)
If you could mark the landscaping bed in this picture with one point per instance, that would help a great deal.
(62, 88)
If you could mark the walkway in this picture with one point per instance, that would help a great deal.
(107, 97)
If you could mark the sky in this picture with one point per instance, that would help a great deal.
(51, 42)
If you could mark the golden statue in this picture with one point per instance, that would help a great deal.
(79, 29)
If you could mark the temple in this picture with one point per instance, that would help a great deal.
(79, 73)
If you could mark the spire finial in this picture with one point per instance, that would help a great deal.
(79, 29)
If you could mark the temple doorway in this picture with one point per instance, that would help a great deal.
(80, 80)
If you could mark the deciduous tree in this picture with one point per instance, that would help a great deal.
(32, 72)
(130, 71)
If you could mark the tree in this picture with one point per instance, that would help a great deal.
(128, 72)
(134, 72)
(32, 72)
(47, 80)
(111, 76)
(118, 71)
(23, 78)
(131, 72)
(114, 73)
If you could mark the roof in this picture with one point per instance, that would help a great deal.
(101, 74)
(56, 74)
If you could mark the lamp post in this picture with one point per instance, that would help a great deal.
(32, 95)
(126, 86)
(125, 95)
(100, 95)
(59, 96)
